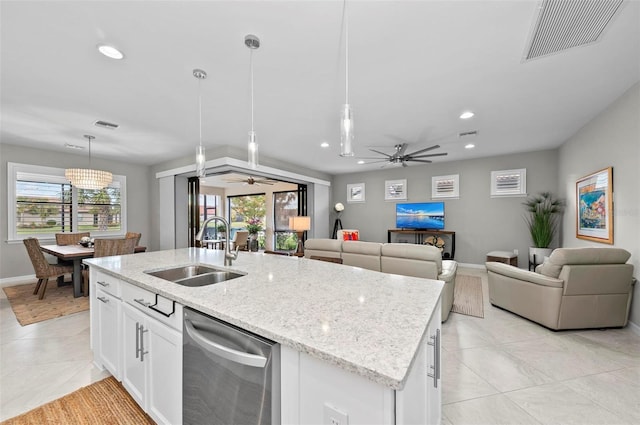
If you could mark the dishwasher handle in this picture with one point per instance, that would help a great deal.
(230, 354)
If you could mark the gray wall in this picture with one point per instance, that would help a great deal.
(13, 256)
(610, 140)
(482, 224)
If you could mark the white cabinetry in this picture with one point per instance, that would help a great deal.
(137, 336)
(314, 390)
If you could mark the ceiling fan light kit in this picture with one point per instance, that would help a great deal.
(399, 157)
(253, 43)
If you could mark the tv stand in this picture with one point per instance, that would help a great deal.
(420, 234)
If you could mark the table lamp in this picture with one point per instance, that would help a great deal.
(300, 224)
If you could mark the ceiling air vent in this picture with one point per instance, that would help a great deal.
(105, 124)
(563, 24)
(468, 133)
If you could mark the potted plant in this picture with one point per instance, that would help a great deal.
(254, 225)
(542, 219)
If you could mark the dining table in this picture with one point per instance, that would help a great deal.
(76, 253)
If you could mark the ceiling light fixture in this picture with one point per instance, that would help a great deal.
(466, 115)
(324, 145)
(361, 162)
(201, 168)
(346, 114)
(88, 178)
(110, 51)
(469, 146)
(252, 42)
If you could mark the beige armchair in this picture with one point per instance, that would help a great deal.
(574, 288)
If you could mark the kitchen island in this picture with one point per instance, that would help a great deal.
(364, 325)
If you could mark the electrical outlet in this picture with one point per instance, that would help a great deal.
(333, 416)
(515, 251)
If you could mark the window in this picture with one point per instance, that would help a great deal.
(285, 205)
(247, 212)
(42, 202)
(509, 183)
(445, 186)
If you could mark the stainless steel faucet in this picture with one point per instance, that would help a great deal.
(229, 255)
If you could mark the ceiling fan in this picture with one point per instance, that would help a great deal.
(249, 180)
(400, 157)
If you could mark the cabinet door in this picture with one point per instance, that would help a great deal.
(135, 341)
(434, 368)
(164, 368)
(108, 344)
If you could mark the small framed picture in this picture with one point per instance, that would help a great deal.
(594, 207)
(355, 192)
(395, 190)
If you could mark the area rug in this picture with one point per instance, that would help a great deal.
(104, 403)
(58, 301)
(467, 296)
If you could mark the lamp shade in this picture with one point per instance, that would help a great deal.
(86, 178)
(300, 223)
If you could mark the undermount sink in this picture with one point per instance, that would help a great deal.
(195, 275)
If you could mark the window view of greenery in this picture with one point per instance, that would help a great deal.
(248, 213)
(285, 205)
(47, 208)
(208, 205)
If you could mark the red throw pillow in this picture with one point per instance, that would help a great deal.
(346, 236)
(354, 236)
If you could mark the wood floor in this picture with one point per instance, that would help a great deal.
(498, 370)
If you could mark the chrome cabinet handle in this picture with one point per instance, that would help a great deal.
(103, 283)
(142, 302)
(142, 352)
(222, 351)
(103, 299)
(137, 340)
(435, 343)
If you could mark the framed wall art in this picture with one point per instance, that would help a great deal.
(395, 190)
(594, 206)
(355, 192)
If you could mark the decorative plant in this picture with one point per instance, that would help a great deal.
(542, 218)
(254, 225)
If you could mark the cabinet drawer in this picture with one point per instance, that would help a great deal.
(107, 283)
(144, 300)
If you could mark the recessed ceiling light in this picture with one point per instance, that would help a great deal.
(324, 145)
(466, 115)
(469, 146)
(70, 146)
(361, 162)
(110, 51)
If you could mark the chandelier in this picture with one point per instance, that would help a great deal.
(88, 178)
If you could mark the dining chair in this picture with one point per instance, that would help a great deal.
(240, 239)
(41, 266)
(107, 248)
(134, 235)
(67, 238)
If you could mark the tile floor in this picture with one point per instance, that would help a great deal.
(498, 370)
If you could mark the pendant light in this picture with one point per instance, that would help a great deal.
(346, 114)
(88, 178)
(252, 42)
(200, 156)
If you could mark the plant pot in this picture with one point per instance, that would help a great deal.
(536, 255)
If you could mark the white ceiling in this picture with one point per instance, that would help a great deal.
(414, 67)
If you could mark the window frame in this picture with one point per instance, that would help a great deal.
(55, 175)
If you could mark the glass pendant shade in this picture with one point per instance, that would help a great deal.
(86, 178)
(346, 131)
(201, 170)
(252, 150)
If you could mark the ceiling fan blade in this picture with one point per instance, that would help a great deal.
(381, 153)
(424, 150)
(371, 157)
(426, 161)
(429, 155)
(376, 162)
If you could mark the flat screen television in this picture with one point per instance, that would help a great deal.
(420, 216)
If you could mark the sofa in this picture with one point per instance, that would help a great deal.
(396, 258)
(575, 288)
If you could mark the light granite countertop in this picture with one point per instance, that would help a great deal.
(367, 322)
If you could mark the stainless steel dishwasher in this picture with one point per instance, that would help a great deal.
(230, 376)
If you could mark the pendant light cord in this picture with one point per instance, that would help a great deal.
(200, 107)
(346, 48)
(251, 66)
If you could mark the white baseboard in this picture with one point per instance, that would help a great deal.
(634, 328)
(17, 280)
